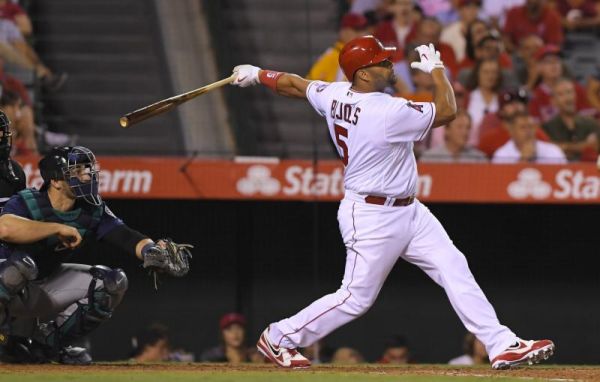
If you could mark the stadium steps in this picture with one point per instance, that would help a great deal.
(113, 54)
(94, 44)
(273, 34)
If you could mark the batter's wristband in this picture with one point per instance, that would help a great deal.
(269, 78)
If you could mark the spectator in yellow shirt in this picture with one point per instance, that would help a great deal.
(327, 67)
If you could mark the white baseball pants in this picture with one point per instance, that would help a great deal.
(375, 237)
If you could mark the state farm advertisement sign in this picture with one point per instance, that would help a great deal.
(179, 178)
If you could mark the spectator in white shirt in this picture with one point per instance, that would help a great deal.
(524, 147)
(485, 85)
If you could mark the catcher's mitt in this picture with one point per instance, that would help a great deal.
(173, 259)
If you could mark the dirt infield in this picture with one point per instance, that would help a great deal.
(573, 373)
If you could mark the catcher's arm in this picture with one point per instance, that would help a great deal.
(163, 256)
(128, 240)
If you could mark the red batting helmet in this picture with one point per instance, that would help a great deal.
(363, 51)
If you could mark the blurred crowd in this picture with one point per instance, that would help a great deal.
(152, 344)
(24, 79)
(518, 101)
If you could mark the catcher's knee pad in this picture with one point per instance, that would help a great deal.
(15, 273)
(115, 284)
(102, 300)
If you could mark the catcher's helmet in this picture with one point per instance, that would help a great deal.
(5, 138)
(361, 52)
(76, 166)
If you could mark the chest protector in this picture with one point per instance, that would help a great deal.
(83, 219)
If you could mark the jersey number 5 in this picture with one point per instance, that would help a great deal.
(342, 132)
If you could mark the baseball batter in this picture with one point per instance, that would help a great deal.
(380, 219)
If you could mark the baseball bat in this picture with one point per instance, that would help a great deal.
(167, 104)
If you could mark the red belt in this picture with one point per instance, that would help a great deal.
(380, 200)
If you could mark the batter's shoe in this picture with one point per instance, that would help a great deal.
(289, 358)
(524, 352)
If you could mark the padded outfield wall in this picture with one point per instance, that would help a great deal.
(538, 264)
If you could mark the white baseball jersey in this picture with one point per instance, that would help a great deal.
(374, 135)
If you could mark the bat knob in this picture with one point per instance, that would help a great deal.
(124, 121)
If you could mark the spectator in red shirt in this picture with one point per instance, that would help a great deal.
(14, 85)
(551, 70)
(525, 62)
(493, 131)
(476, 32)
(13, 12)
(233, 349)
(397, 31)
(579, 14)
(535, 17)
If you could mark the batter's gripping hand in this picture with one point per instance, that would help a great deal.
(168, 257)
(430, 59)
(247, 75)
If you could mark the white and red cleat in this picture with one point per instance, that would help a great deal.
(529, 352)
(289, 358)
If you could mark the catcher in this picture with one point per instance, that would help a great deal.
(45, 302)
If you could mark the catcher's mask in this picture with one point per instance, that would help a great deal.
(5, 138)
(76, 166)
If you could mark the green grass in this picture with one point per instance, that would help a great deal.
(169, 372)
(154, 376)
